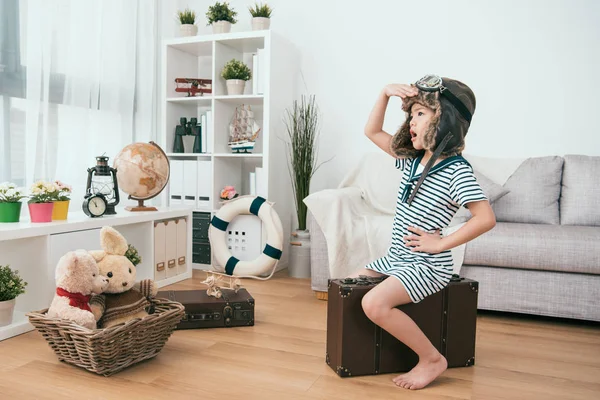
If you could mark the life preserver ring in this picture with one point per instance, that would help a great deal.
(273, 249)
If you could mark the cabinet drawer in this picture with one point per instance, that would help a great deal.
(201, 253)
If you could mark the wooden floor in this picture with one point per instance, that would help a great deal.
(283, 357)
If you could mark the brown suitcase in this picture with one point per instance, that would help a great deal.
(204, 311)
(356, 346)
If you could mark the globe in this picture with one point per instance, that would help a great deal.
(142, 172)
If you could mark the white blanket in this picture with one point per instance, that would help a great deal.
(356, 218)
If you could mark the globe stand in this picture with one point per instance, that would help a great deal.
(140, 206)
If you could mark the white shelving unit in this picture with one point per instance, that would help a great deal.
(203, 57)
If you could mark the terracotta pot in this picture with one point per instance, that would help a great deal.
(221, 27)
(188, 30)
(60, 210)
(40, 212)
(6, 312)
(10, 212)
(235, 87)
(260, 23)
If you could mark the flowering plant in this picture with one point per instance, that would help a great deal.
(228, 193)
(63, 191)
(43, 192)
(10, 193)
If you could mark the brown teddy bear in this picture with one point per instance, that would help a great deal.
(77, 278)
(123, 299)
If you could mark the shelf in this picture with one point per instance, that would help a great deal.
(239, 155)
(192, 45)
(19, 325)
(189, 155)
(204, 100)
(251, 99)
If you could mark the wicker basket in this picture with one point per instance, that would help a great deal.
(110, 350)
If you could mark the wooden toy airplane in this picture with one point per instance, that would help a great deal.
(215, 281)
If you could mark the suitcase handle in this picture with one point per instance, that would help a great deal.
(456, 278)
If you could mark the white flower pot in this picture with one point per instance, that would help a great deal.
(260, 23)
(221, 27)
(299, 264)
(235, 87)
(188, 30)
(6, 312)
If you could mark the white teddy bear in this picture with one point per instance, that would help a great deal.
(77, 278)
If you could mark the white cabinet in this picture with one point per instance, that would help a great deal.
(34, 250)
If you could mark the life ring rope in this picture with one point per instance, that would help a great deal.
(272, 251)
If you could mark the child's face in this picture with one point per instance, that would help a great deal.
(419, 123)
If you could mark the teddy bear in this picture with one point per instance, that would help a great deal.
(77, 278)
(123, 299)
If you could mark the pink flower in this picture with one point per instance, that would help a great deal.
(228, 193)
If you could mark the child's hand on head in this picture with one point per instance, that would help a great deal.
(400, 89)
(424, 242)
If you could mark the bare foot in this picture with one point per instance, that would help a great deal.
(422, 374)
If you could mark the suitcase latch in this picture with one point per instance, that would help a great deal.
(345, 291)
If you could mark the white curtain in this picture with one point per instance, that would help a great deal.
(90, 85)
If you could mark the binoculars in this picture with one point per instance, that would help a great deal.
(185, 128)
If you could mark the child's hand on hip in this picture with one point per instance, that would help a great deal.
(424, 242)
(400, 89)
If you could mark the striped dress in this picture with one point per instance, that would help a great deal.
(449, 184)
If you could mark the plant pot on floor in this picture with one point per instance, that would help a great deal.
(6, 312)
(221, 27)
(10, 212)
(235, 87)
(299, 264)
(260, 23)
(60, 210)
(40, 212)
(188, 30)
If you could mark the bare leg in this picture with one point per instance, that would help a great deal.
(379, 305)
(365, 271)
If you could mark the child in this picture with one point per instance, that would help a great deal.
(435, 182)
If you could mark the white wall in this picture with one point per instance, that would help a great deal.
(533, 65)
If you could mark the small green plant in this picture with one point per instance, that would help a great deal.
(260, 10)
(133, 255)
(235, 69)
(11, 284)
(221, 12)
(187, 17)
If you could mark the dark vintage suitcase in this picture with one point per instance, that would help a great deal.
(204, 311)
(356, 346)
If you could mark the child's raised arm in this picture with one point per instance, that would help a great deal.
(374, 128)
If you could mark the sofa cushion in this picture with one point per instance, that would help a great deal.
(534, 192)
(536, 246)
(580, 191)
(492, 191)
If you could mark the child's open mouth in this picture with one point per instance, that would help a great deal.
(413, 136)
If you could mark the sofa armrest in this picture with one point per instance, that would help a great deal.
(319, 259)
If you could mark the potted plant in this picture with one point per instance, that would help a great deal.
(187, 18)
(10, 202)
(261, 16)
(41, 201)
(236, 73)
(302, 125)
(221, 16)
(61, 201)
(11, 286)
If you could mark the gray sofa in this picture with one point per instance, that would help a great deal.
(543, 256)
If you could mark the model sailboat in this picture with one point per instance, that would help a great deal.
(243, 130)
